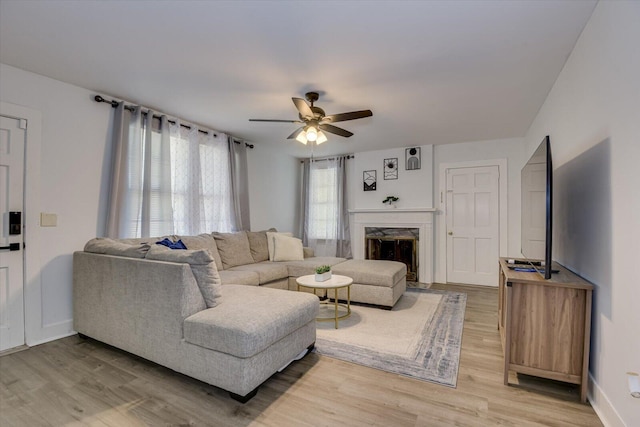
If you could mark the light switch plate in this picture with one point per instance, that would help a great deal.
(48, 219)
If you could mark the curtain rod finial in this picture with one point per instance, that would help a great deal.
(99, 98)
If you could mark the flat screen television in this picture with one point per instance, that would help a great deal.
(537, 198)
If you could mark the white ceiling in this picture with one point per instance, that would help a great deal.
(432, 72)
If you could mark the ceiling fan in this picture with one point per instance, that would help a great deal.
(315, 121)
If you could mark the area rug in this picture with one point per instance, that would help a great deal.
(419, 338)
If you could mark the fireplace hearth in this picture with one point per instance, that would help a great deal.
(394, 244)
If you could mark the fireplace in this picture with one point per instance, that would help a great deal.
(394, 244)
(418, 220)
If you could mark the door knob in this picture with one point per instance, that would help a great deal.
(450, 233)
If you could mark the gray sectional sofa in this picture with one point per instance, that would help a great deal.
(216, 311)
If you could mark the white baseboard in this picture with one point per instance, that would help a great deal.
(51, 338)
(601, 404)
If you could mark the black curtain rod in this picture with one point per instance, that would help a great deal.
(349, 156)
(115, 103)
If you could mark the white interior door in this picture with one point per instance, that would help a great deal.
(12, 149)
(473, 225)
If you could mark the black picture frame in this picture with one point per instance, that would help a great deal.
(390, 168)
(369, 180)
(412, 158)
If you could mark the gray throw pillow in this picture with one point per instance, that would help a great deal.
(258, 244)
(234, 248)
(202, 266)
(106, 246)
(204, 241)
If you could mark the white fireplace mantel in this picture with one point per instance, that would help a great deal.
(420, 218)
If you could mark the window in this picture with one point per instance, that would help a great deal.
(201, 182)
(323, 201)
(177, 183)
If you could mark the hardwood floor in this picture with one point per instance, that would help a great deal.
(76, 382)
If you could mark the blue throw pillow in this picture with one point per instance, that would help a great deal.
(172, 245)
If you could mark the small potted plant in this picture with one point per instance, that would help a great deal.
(323, 273)
(390, 201)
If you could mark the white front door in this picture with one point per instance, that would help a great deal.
(473, 226)
(12, 149)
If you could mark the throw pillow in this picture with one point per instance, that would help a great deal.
(234, 248)
(259, 245)
(202, 266)
(270, 235)
(287, 248)
(204, 241)
(106, 246)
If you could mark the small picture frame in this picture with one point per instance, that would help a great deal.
(390, 167)
(412, 158)
(369, 179)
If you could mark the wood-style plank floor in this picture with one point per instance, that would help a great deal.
(72, 382)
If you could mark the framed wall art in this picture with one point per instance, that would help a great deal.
(412, 158)
(391, 168)
(369, 179)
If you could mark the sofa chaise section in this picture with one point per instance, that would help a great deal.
(142, 306)
(375, 282)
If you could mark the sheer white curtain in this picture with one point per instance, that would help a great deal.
(201, 181)
(166, 178)
(326, 217)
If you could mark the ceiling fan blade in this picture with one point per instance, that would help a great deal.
(303, 108)
(275, 120)
(342, 117)
(295, 133)
(336, 130)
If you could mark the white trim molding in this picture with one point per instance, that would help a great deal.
(420, 218)
(32, 279)
(602, 405)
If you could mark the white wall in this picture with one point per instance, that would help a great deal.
(71, 176)
(413, 187)
(509, 149)
(274, 188)
(592, 115)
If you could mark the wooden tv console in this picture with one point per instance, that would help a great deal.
(545, 325)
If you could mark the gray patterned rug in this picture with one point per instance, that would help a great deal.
(419, 338)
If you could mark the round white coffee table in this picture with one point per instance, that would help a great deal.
(336, 283)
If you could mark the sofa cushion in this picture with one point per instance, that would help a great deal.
(270, 235)
(259, 245)
(250, 319)
(372, 272)
(202, 266)
(267, 271)
(204, 241)
(287, 248)
(234, 248)
(239, 277)
(308, 265)
(104, 245)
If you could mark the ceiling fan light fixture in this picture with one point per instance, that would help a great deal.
(312, 133)
(321, 138)
(313, 118)
(302, 137)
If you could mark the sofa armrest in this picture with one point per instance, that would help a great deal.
(137, 305)
(308, 252)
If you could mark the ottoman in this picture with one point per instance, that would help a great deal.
(375, 282)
